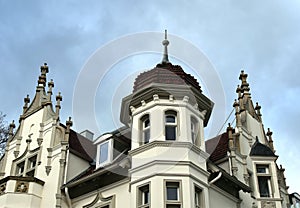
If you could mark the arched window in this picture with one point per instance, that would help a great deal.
(170, 125)
(145, 129)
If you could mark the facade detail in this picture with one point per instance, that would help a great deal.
(158, 158)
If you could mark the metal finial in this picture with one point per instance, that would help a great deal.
(165, 43)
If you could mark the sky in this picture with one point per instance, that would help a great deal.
(261, 37)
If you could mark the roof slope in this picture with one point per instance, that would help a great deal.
(217, 147)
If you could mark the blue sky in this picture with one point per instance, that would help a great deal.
(263, 37)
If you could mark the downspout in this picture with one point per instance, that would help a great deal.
(216, 178)
(68, 197)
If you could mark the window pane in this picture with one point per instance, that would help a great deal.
(146, 197)
(146, 136)
(262, 169)
(103, 152)
(173, 206)
(20, 168)
(172, 193)
(32, 162)
(197, 197)
(170, 119)
(170, 133)
(263, 186)
(146, 123)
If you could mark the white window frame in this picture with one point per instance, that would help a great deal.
(109, 153)
(171, 124)
(198, 197)
(267, 175)
(194, 130)
(26, 167)
(145, 129)
(176, 184)
(141, 195)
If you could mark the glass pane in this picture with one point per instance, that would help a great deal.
(20, 168)
(146, 136)
(146, 197)
(263, 186)
(261, 168)
(170, 132)
(170, 119)
(172, 193)
(146, 123)
(103, 152)
(173, 206)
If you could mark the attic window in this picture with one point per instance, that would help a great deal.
(104, 153)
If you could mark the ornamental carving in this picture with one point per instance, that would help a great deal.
(268, 204)
(2, 188)
(22, 186)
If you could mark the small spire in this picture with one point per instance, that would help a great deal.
(237, 113)
(257, 108)
(42, 78)
(240, 98)
(269, 135)
(57, 106)
(245, 85)
(11, 128)
(26, 102)
(165, 43)
(50, 86)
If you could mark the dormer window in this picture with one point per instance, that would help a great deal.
(109, 148)
(170, 125)
(105, 153)
(145, 129)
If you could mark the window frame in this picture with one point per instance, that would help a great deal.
(145, 129)
(141, 190)
(194, 130)
(109, 152)
(179, 200)
(28, 170)
(267, 176)
(198, 192)
(171, 124)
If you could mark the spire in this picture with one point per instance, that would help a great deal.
(257, 109)
(269, 135)
(26, 102)
(165, 43)
(57, 106)
(50, 86)
(42, 78)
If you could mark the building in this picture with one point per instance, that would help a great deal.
(158, 158)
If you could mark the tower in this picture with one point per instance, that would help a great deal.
(167, 113)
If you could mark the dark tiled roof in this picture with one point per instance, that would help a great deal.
(165, 73)
(81, 146)
(217, 147)
(259, 149)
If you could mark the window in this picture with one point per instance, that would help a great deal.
(173, 195)
(31, 164)
(145, 129)
(194, 130)
(27, 167)
(198, 197)
(20, 168)
(264, 180)
(170, 125)
(104, 152)
(144, 196)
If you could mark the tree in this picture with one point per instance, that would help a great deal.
(3, 133)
